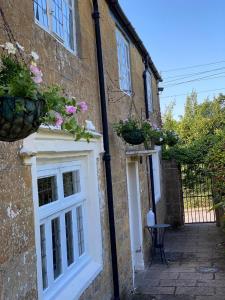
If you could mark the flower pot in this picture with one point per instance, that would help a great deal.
(19, 117)
(134, 137)
(158, 142)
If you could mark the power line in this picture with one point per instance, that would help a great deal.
(200, 92)
(193, 80)
(193, 66)
(207, 78)
(183, 76)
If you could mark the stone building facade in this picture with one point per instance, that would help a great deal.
(28, 269)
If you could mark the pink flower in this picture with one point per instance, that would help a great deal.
(35, 70)
(58, 119)
(154, 126)
(83, 106)
(71, 109)
(37, 79)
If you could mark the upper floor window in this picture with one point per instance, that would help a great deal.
(149, 91)
(57, 16)
(123, 53)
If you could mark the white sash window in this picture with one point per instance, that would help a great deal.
(62, 213)
(123, 53)
(57, 17)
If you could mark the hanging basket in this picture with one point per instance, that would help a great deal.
(158, 142)
(19, 117)
(134, 137)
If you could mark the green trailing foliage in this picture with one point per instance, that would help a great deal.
(20, 77)
(201, 132)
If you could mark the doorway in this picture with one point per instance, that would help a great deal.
(135, 218)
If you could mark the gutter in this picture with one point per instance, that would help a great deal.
(106, 156)
(131, 32)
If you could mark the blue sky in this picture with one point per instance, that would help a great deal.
(183, 33)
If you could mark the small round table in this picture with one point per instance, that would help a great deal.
(157, 233)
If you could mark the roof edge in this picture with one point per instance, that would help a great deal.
(118, 12)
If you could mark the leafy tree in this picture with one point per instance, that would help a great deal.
(202, 138)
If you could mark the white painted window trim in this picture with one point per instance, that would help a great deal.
(52, 33)
(120, 38)
(149, 91)
(39, 148)
(141, 262)
(156, 174)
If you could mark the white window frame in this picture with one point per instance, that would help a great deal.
(49, 28)
(156, 175)
(124, 65)
(58, 209)
(149, 91)
(39, 150)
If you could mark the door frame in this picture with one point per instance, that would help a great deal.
(140, 264)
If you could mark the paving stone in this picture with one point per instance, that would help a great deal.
(220, 291)
(195, 291)
(174, 297)
(158, 290)
(177, 282)
(197, 276)
(215, 297)
(167, 275)
(194, 251)
(220, 276)
(212, 283)
(147, 282)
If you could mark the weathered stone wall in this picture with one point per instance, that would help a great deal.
(79, 77)
(17, 255)
(173, 193)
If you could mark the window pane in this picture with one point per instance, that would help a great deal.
(123, 62)
(47, 190)
(68, 24)
(69, 237)
(43, 257)
(149, 91)
(80, 230)
(56, 248)
(40, 11)
(71, 183)
(77, 187)
(57, 17)
(68, 185)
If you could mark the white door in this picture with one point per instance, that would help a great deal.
(135, 216)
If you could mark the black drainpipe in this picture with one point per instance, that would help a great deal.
(150, 156)
(106, 157)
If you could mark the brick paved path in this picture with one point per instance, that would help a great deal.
(196, 269)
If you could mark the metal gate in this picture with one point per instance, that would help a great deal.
(197, 194)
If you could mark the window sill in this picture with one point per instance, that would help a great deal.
(126, 92)
(73, 289)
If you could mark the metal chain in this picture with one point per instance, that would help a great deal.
(10, 34)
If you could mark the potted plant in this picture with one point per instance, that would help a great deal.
(153, 134)
(26, 103)
(136, 132)
(131, 131)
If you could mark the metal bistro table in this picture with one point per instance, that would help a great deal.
(157, 233)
